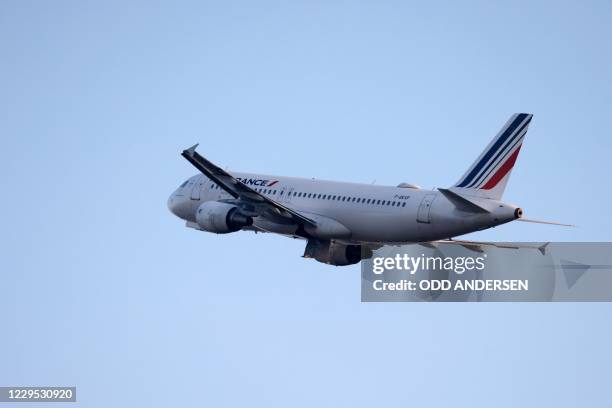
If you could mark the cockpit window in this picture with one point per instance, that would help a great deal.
(184, 184)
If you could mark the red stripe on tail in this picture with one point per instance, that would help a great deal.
(503, 170)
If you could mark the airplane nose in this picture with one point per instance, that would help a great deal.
(181, 206)
(174, 205)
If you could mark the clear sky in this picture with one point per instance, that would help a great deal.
(103, 288)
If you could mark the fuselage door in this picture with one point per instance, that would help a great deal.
(285, 194)
(425, 208)
(289, 195)
(196, 189)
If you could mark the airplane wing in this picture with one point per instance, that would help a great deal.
(478, 246)
(249, 200)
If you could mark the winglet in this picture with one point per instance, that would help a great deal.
(191, 150)
(542, 248)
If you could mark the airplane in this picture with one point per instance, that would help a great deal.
(343, 222)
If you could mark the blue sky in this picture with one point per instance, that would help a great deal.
(106, 290)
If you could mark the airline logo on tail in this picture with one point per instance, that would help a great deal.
(499, 157)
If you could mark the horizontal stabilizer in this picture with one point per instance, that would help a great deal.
(463, 203)
(480, 246)
(544, 222)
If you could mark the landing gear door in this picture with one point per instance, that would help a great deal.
(423, 214)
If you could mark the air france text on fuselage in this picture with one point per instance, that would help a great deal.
(257, 182)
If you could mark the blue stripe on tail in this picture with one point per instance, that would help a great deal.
(503, 151)
(500, 141)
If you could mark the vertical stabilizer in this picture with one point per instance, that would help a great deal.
(488, 176)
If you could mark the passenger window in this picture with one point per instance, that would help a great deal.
(403, 204)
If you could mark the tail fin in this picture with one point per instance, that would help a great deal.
(488, 176)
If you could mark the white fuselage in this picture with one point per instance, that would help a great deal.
(371, 213)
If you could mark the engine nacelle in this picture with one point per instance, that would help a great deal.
(334, 253)
(221, 218)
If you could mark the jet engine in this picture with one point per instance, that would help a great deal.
(334, 253)
(221, 218)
